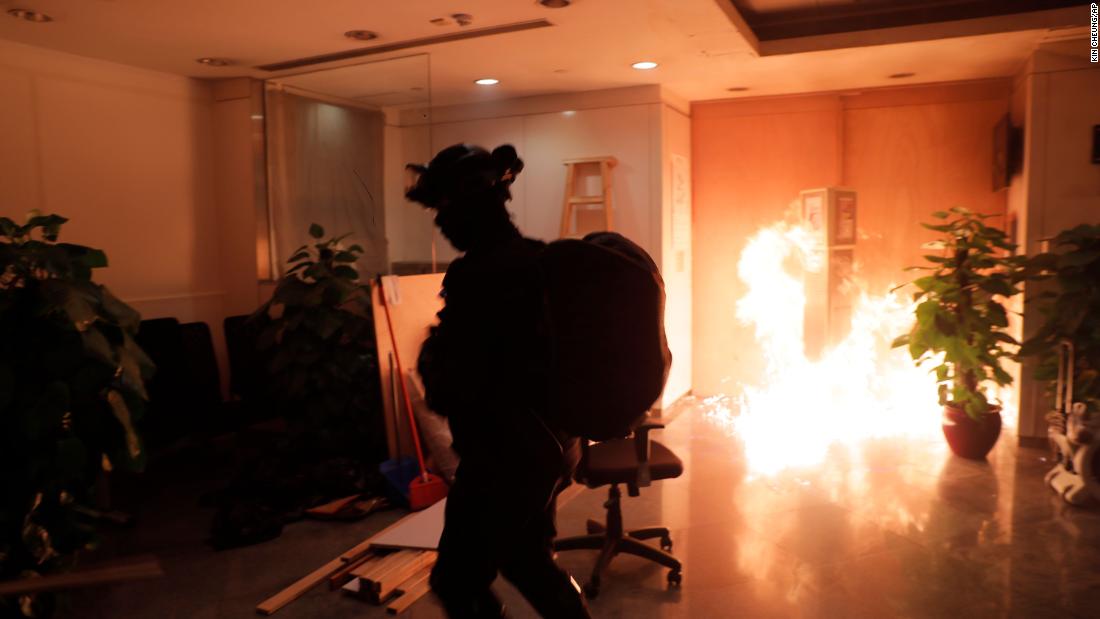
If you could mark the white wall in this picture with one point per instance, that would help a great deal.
(675, 255)
(1058, 98)
(127, 155)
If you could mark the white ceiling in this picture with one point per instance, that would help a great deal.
(590, 46)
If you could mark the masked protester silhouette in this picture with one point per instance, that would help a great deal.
(484, 368)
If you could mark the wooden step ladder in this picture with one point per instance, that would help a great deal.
(571, 199)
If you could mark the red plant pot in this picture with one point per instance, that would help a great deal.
(969, 438)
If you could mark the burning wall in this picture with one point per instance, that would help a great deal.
(907, 153)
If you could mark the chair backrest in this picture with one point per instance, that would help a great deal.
(201, 364)
(246, 363)
(162, 340)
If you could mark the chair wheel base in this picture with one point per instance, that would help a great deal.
(591, 590)
(675, 578)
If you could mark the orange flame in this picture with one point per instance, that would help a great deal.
(859, 389)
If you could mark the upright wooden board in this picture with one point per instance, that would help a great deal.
(414, 301)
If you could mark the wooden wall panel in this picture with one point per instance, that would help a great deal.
(749, 163)
(907, 161)
(906, 151)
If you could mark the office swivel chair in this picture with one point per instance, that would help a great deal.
(634, 461)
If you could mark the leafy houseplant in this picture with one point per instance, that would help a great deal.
(71, 389)
(1072, 311)
(318, 331)
(960, 316)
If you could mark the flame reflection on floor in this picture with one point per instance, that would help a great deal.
(859, 389)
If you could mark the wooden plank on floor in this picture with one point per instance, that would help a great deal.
(391, 581)
(411, 591)
(373, 570)
(344, 574)
(370, 586)
(133, 568)
(299, 588)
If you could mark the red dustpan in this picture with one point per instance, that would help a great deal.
(426, 489)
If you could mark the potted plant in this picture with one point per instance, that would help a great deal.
(960, 315)
(1072, 311)
(318, 332)
(71, 389)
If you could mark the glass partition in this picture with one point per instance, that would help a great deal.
(337, 142)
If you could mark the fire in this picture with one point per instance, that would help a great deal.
(859, 389)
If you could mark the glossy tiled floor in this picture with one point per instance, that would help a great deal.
(902, 530)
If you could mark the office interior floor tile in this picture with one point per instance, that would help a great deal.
(903, 529)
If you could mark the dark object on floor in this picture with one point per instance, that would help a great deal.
(245, 523)
(275, 486)
(635, 462)
(970, 438)
(333, 569)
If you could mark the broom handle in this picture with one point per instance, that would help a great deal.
(401, 382)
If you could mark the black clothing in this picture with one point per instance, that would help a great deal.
(484, 369)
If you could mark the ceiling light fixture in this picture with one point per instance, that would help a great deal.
(737, 88)
(554, 4)
(214, 62)
(361, 35)
(644, 65)
(487, 81)
(898, 76)
(29, 15)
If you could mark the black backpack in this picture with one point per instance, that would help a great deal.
(604, 312)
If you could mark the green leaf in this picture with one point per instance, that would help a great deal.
(926, 313)
(937, 227)
(940, 214)
(997, 285)
(9, 228)
(122, 413)
(997, 315)
(1079, 258)
(316, 231)
(95, 258)
(97, 345)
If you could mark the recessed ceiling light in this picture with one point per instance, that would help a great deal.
(737, 88)
(554, 4)
(361, 35)
(214, 62)
(898, 76)
(486, 81)
(29, 15)
(644, 65)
